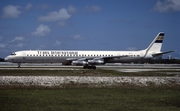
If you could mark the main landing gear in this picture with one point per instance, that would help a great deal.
(89, 67)
(19, 65)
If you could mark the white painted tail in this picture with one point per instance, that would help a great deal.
(156, 44)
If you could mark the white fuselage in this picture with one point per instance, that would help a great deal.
(63, 56)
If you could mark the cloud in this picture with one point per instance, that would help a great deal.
(15, 44)
(61, 24)
(20, 45)
(57, 43)
(167, 6)
(92, 9)
(11, 11)
(2, 45)
(132, 48)
(18, 38)
(42, 46)
(78, 37)
(42, 30)
(72, 9)
(54, 16)
(28, 6)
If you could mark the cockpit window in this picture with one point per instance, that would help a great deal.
(13, 54)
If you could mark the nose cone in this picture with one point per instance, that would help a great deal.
(6, 59)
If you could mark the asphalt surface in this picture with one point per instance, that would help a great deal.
(118, 67)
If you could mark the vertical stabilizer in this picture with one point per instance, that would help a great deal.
(156, 44)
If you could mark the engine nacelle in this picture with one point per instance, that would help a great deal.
(90, 62)
(79, 62)
(94, 62)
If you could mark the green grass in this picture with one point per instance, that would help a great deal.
(98, 72)
(90, 99)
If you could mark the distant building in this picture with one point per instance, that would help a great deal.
(169, 57)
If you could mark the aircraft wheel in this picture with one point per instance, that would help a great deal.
(93, 67)
(85, 67)
(89, 67)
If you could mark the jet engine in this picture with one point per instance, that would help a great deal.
(79, 62)
(96, 62)
(88, 62)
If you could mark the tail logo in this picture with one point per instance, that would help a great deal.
(159, 39)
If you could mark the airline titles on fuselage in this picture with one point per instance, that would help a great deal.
(66, 54)
(57, 52)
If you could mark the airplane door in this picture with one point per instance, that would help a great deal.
(142, 54)
(118, 54)
(24, 55)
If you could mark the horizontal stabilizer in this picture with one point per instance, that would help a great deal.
(158, 54)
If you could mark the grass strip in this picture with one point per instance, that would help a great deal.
(91, 99)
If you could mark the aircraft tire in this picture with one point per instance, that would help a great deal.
(85, 67)
(89, 67)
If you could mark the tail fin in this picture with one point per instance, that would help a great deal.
(156, 44)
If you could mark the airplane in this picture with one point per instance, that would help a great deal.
(88, 59)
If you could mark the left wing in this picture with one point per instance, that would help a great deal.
(94, 58)
(91, 60)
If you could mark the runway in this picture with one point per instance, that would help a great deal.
(117, 67)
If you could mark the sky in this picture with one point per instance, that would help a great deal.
(88, 25)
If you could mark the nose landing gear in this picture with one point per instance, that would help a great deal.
(19, 65)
